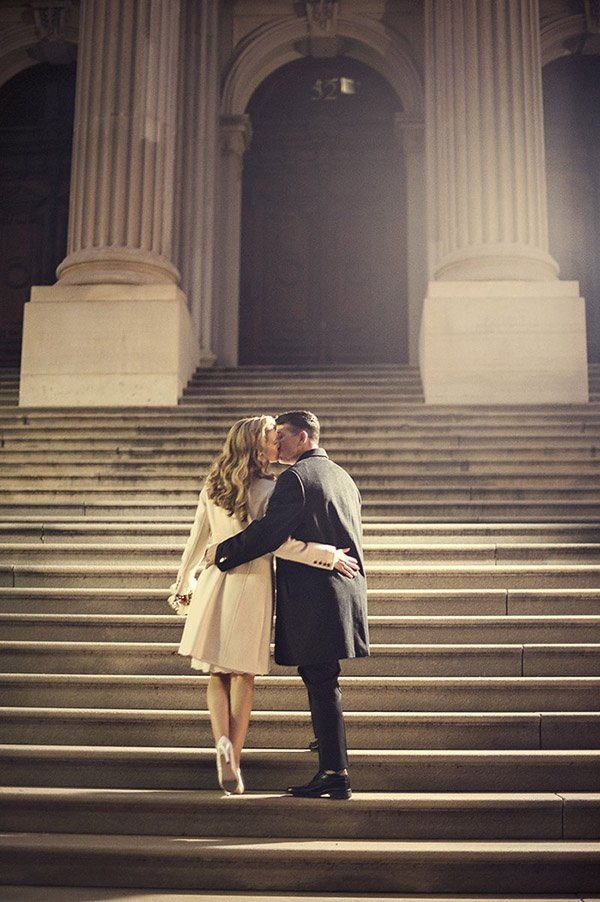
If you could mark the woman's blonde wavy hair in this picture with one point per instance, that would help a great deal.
(239, 464)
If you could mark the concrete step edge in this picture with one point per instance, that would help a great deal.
(361, 848)
(397, 620)
(145, 755)
(259, 716)
(187, 798)
(102, 894)
(375, 648)
(285, 682)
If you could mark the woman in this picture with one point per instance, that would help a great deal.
(228, 626)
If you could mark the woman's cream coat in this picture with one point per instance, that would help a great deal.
(228, 624)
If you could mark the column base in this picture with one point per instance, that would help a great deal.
(106, 346)
(504, 343)
(116, 265)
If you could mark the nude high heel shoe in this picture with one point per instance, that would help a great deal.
(230, 778)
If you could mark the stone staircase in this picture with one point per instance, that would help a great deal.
(474, 727)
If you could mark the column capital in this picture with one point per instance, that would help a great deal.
(236, 134)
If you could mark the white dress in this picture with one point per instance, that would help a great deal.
(228, 625)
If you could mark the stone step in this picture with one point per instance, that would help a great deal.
(399, 553)
(387, 413)
(365, 729)
(366, 463)
(377, 500)
(310, 397)
(94, 505)
(434, 448)
(326, 391)
(478, 576)
(429, 485)
(106, 451)
(380, 576)
(21, 466)
(438, 601)
(301, 865)
(273, 398)
(544, 629)
(310, 371)
(386, 630)
(444, 435)
(123, 812)
(468, 488)
(269, 770)
(102, 894)
(382, 602)
(286, 380)
(500, 533)
(82, 455)
(290, 382)
(407, 398)
(88, 530)
(286, 692)
(220, 411)
(326, 396)
(581, 659)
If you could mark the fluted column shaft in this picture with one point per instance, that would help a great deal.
(121, 209)
(485, 142)
(235, 137)
(197, 160)
(410, 134)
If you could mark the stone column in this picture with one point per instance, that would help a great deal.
(121, 207)
(197, 163)
(236, 133)
(115, 327)
(411, 135)
(497, 324)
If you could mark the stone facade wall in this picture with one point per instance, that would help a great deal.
(174, 165)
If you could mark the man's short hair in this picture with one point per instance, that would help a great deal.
(301, 420)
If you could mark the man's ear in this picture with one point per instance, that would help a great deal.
(303, 436)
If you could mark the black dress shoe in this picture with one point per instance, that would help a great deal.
(313, 745)
(334, 786)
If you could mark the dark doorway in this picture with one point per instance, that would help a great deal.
(36, 129)
(572, 125)
(323, 271)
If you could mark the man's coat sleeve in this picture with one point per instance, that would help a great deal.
(283, 514)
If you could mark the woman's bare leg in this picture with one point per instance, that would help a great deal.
(217, 697)
(219, 706)
(240, 698)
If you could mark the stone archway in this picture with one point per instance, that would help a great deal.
(20, 42)
(323, 258)
(265, 50)
(557, 34)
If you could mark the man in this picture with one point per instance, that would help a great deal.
(321, 614)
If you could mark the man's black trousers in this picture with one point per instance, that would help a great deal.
(325, 700)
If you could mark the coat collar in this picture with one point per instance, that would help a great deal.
(314, 452)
